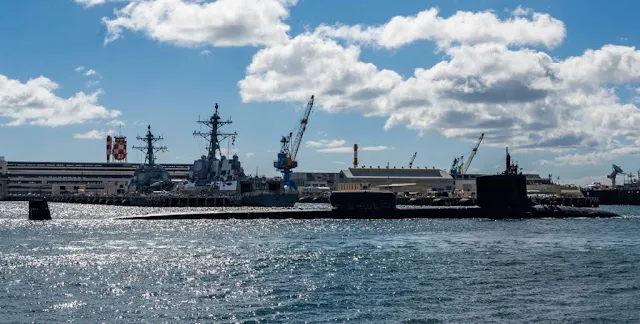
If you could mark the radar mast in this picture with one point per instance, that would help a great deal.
(149, 149)
(215, 136)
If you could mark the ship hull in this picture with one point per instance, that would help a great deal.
(615, 196)
(270, 200)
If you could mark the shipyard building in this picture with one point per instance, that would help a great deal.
(315, 179)
(395, 179)
(59, 178)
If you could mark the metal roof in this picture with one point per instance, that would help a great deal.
(395, 173)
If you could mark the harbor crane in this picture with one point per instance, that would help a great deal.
(459, 166)
(289, 146)
(412, 159)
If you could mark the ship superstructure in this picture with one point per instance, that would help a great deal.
(215, 171)
(149, 176)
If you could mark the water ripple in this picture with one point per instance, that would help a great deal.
(85, 267)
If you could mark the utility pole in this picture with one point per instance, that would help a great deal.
(388, 177)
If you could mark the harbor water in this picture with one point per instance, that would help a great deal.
(85, 267)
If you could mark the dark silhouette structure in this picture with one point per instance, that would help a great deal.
(39, 210)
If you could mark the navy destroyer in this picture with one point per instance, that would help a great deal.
(215, 173)
(149, 176)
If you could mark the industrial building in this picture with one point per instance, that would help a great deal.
(55, 178)
(395, 179)
(315, 179)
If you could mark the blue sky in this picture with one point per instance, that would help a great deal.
(554, 80)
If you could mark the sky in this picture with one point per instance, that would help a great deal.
(555, 81)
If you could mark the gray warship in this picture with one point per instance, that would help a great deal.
(149, 176)
(216, 173)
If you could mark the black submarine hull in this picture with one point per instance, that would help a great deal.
(501, 196)
(470, 212)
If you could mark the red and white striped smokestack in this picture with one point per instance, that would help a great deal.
(355, 155)
(108, 147)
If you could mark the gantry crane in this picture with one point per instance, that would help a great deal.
(412, 159)
(461, 167)
(289, 149)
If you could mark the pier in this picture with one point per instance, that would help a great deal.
(147, 201)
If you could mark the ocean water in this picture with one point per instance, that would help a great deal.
(85, 267)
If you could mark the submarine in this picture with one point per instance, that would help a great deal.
(500, 196)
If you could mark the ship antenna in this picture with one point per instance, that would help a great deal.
(214, 136)
(149, 149)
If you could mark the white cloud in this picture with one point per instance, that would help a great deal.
(340, 149)
(116, 123)
(592, 158)
(205, 52)
(92, 83)
(609, 64)
(463, 27)
(93, 3)
(520, 11)
(196, 23)
(374, 148)
(249, 155)
(91, 72)
(494, 77)
(338, 146)
(35, 102)
(326, 143)
(94, 134)
(517, 96)
(309, 65)
(79, 69)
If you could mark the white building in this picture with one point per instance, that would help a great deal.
(397, 179)
(55, 178)
(315, 179)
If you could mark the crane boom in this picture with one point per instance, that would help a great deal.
(412, 159)
(303, 126)
(473, 154)
(289, 150)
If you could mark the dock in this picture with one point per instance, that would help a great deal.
(140, 201)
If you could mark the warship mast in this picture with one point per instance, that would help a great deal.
(214, 137)
(148, 149)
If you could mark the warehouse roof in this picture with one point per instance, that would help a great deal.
(367, 173)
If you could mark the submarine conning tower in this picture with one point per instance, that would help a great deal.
(506, 190)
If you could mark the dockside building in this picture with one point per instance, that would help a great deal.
(56, 178)
(395, 179)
